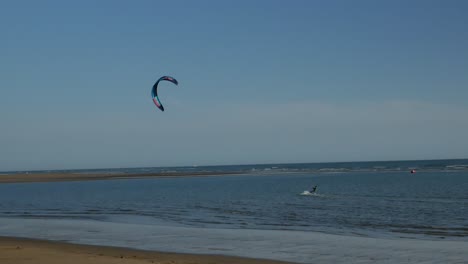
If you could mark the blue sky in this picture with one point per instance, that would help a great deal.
(260, 82)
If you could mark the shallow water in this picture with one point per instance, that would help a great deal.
(295, 246)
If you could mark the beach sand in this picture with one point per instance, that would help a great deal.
(54, 177)
(29, 251)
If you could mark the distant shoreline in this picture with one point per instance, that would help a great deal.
(82, 176)
(60, 177)
(430, 165)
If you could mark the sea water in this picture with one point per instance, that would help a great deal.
(359, 199)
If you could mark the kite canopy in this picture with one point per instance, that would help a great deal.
(154, 91)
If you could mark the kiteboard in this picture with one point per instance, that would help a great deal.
(308, 193)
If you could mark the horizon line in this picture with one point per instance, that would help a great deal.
(224, 165)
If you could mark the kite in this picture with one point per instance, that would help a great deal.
(154, 91)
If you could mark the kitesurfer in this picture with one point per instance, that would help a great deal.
(314, 189)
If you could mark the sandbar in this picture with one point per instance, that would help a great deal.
(54, 177)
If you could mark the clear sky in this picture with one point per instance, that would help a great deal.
(259, 82)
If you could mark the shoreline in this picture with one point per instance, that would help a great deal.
(60, 177)
(266, 246)
(27, 251)
(69, 176)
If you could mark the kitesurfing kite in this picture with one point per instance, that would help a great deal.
(154, 91)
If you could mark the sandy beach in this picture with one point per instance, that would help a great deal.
(26, 251)
(54, 177)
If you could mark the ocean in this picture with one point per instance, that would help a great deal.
(361, 199)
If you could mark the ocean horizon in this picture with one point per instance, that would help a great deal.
(384, 165)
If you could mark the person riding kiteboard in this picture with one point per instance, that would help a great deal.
(314, 189)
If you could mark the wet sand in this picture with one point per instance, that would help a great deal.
(53, 177)
(29, 251)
